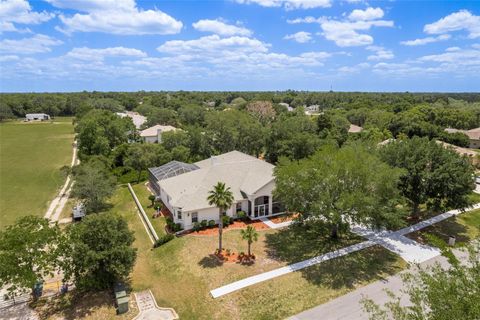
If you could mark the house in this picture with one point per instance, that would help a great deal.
(137, 119)
(471, 154)
(354, 129)
(184, 188)
(312, 110)
(154, 134)
(286, 105)
(473, 136)
(37, 117)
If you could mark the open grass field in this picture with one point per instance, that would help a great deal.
(181, 273)
(31, 155)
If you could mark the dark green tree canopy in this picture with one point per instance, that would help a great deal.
(432, 174)
(29, 251)
(337, 187)
(93, 184)
(99, 252)
(99, 131)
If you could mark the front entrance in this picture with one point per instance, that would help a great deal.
(261, 207)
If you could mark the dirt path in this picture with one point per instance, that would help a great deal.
(57, 204)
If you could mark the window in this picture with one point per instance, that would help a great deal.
(179, 215)
(194, 217)
(239, 206)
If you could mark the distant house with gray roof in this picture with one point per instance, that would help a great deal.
(154, 134)
(473, 136)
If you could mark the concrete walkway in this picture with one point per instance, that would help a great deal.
(287, 269)
(394, 241)
(274, 225)
(149, 310)
(349, 307)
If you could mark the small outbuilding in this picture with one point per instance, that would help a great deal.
(78, 212)
(37, 117)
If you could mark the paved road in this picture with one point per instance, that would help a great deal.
(348, 307)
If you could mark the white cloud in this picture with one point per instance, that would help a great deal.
(380, 53)
(461, 20)
(19, 12)
(87, 54)
(290, 4)
(206, 59)
(220, 28)
(300, 37)
(346, 33)
(116, 17)
(454, 61)
(456, 56)
(422, 41)
(9, 58)
(365, 15)
(308, 19)
(213, 43)
(36, 44)
(93, 5)
(354, 69)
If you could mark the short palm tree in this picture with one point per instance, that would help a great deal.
(222, 198)
(250, 235)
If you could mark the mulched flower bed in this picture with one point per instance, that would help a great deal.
(234, 257)
(258, 225)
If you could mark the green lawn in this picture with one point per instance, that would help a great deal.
(31, 155)
(464, 227)
(181, 273)
(142, 194)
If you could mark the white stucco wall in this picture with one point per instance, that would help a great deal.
(153, 139)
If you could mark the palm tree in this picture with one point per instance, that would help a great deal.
(249, 234)
(222, 198)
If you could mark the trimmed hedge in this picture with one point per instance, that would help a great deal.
(162, 240)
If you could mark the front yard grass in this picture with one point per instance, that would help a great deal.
(465, 227)
(182, 272)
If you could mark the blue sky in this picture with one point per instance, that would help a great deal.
(346, 45)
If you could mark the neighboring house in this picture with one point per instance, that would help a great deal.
(184, 188)
(154, 134)
(471, 154)
(473, 136)
(354, 129)
(137, 119)
(312, 110)
(36, 117)
(286, 105)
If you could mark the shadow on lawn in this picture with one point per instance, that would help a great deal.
(210, 261)
(295, 244)
(443, 230)
(76, 305)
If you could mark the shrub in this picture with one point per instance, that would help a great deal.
(174, 227)
(203, 224)
(211, 223)
(162, 240)
(241, 215)
(178, 227)
(226, 221)
(196, 227)
(228, 252)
